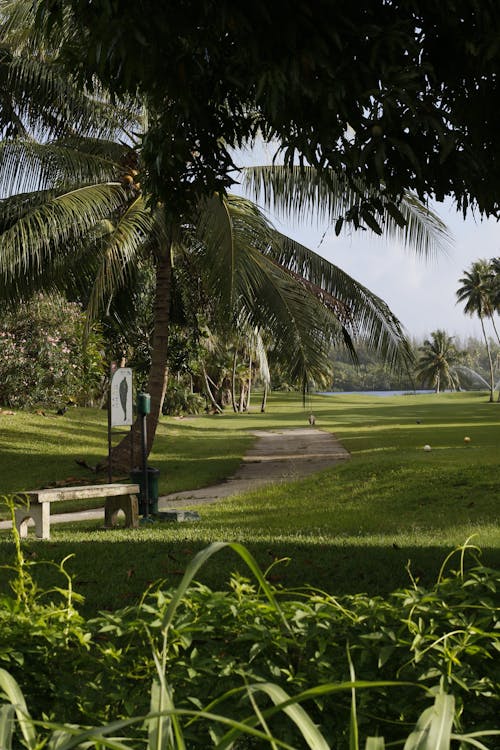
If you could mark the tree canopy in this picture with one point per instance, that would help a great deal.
(400, 94)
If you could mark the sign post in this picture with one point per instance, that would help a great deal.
(143, 409)
(120, 404)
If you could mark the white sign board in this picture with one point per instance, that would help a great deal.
(121, 397)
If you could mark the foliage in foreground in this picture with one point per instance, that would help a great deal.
(300, 666)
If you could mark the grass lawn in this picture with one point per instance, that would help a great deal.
(352, 528)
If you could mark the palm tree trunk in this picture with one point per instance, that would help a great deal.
(233, 379)
(243, 393)
(264, 399)
(249, 394)
(158, 374)
(492, 318)
(488, 350)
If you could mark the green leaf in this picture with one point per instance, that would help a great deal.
(396, 214)
(353, 724)
(6, 726)
(163, 724)
(14, 695)
(433, 728)
(199, 560)
(373, 224)
(293, 710)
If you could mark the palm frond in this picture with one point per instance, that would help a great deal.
(363, 314)
(54, 227)
(300, 327)
(37, 94)
(247, 289)
(27, 166)
(120, 252)
(260, 351)
(304, 193)
(230, 228)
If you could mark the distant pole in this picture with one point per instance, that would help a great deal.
(112, 369)
(143, 408)
(144, 434)
(110, 474)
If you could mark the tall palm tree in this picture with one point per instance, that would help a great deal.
(438, 355)
(494, 292)
(88, 225)
(475, 291)
(75, 218)
(495, 270)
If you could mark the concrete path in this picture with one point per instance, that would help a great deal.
(276, 456)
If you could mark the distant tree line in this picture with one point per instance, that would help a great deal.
(442, 362)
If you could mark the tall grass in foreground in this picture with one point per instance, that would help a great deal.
(252, 669)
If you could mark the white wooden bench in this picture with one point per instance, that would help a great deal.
(118, 497)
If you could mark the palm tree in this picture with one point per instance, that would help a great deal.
(476, 292)
(75, 219)
(86, 229)
(495, 271)
(438, 355)
(494, 292)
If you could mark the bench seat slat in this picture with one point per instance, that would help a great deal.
(57, 494)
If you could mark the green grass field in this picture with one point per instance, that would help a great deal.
(356, 527)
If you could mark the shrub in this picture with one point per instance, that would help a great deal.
(368, 666)
(43, 360)
(442, 639)
(179, 400)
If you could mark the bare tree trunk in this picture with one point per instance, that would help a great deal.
(158, 374)
(210, 394)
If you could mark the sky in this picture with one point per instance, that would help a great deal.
(420, 292)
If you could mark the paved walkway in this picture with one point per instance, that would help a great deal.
(276, 456)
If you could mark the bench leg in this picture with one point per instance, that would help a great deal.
(128, 504)
(40, 513)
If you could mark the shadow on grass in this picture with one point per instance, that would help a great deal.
(112, 576)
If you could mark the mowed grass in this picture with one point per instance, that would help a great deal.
(392, 511)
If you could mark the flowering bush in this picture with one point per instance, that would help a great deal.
(43, 360)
